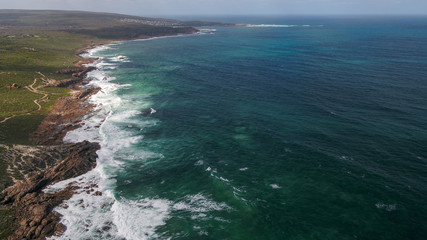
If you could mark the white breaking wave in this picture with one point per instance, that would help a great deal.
(94, 211)
(207, 31)
(200, 204)
(91, 52)
(119, 58)
(87, 214)
(138, 219)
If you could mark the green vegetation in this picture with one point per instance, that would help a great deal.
(85, 20)
(34, 45)
(5, 180)
(22, 60)
(129, 31)
(17, 130)
(6, 223)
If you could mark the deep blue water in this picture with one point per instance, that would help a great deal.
(312, 131)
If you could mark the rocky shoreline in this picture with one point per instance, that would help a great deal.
(34, 215)
(51, 161)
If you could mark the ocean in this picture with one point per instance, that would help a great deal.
(293, 128)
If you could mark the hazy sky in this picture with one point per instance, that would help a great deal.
(196, 7)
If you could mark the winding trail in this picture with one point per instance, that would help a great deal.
(35, 90)
(37, 101)
(7, 118)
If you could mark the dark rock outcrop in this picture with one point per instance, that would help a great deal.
(34, 168)
(34, 217)
(68, 111)
(14, 85)
(65, 116)
(78, 74)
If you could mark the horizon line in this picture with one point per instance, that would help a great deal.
(231, 14)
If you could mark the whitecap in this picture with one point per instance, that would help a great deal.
(224, 179)
(387, 207)
(119, 58)
(275, 186)
(200, 204)
(199, 163)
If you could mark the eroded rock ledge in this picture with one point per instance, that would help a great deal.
(34, 168)
(37, 168)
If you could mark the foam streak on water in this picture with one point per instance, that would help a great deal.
(305, 132)
(94, 211)
(97, 211)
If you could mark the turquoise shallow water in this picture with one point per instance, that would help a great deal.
(314, 130)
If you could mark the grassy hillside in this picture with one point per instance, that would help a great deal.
(57, 19)
(36, 44)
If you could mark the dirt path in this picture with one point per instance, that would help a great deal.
(37, 101)
(45, 79)
(34, 90)
(4, 120)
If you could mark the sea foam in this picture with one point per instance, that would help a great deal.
(94, 211)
